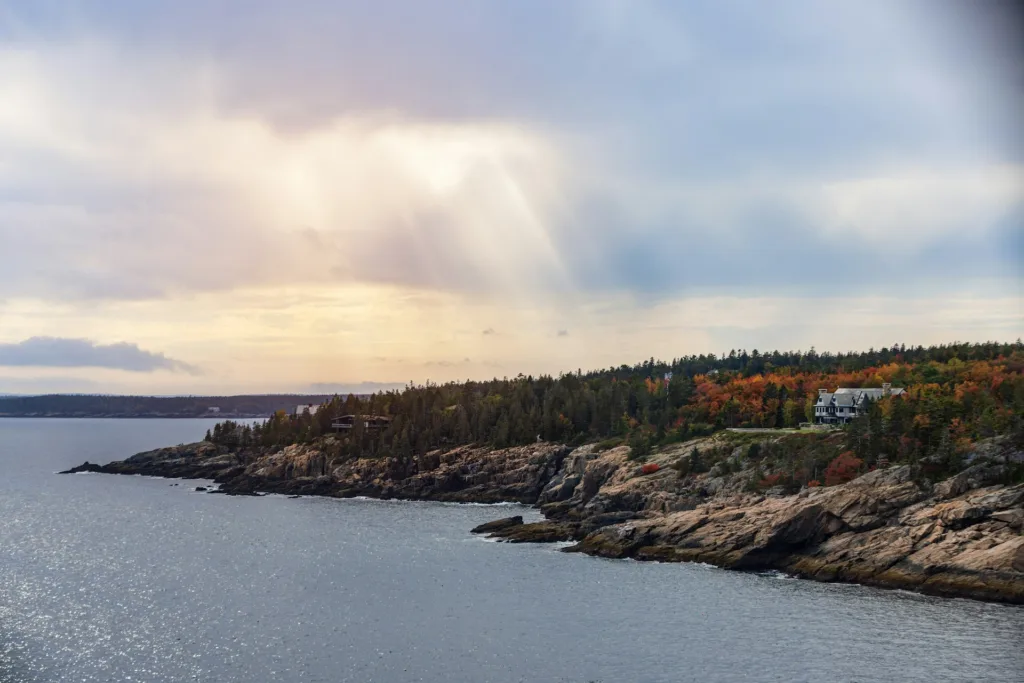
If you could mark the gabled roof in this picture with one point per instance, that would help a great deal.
(845, 396)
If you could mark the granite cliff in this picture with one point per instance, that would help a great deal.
(963, 536)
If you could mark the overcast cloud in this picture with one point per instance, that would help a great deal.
(499, 157)
(82, 353)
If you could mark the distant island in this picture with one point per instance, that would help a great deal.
(899, 467)
(82, 405)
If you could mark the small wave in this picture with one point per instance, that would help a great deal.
(921, 596)
(776, 574)
(559, 545)
(483, 505)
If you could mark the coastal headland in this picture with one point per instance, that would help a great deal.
(891, 527)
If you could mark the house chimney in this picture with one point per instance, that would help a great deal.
(886, 387)
(822, 391)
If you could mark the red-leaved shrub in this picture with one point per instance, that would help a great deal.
(845, 467)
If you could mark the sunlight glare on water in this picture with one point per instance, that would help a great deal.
(110, 578)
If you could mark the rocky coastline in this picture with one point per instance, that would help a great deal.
(961, 537)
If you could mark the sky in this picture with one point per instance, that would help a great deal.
(316, 196)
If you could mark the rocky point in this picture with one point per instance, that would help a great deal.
(960, 537)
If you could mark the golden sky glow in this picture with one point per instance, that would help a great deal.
(294, 223)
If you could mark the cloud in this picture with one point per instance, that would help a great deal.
(503, 176)
(82, 353)
(230, 201)
(365, 191)
(913, 230)
(447, 363)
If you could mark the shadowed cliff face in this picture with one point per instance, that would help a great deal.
(961, 537)
(466, 474)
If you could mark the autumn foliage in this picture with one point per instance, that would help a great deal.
(955, 395)
(845, 467)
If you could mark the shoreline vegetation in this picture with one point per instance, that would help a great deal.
(925, 491)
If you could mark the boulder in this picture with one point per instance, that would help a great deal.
(497, 525)
(537, 532)
(84, 467)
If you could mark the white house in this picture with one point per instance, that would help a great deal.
(842, 405)
(308, 408)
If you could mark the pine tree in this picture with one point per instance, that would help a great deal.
(697, 464)
(947, 455)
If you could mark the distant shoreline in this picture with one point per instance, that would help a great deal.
(242, 407)
(141, 416)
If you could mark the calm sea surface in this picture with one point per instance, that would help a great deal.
(114, 578)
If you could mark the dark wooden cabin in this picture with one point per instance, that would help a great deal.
(370, 422)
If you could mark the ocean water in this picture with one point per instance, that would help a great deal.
(114, 578)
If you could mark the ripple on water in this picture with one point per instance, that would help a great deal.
(107, 578)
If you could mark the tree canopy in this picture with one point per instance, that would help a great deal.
(956, 393)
